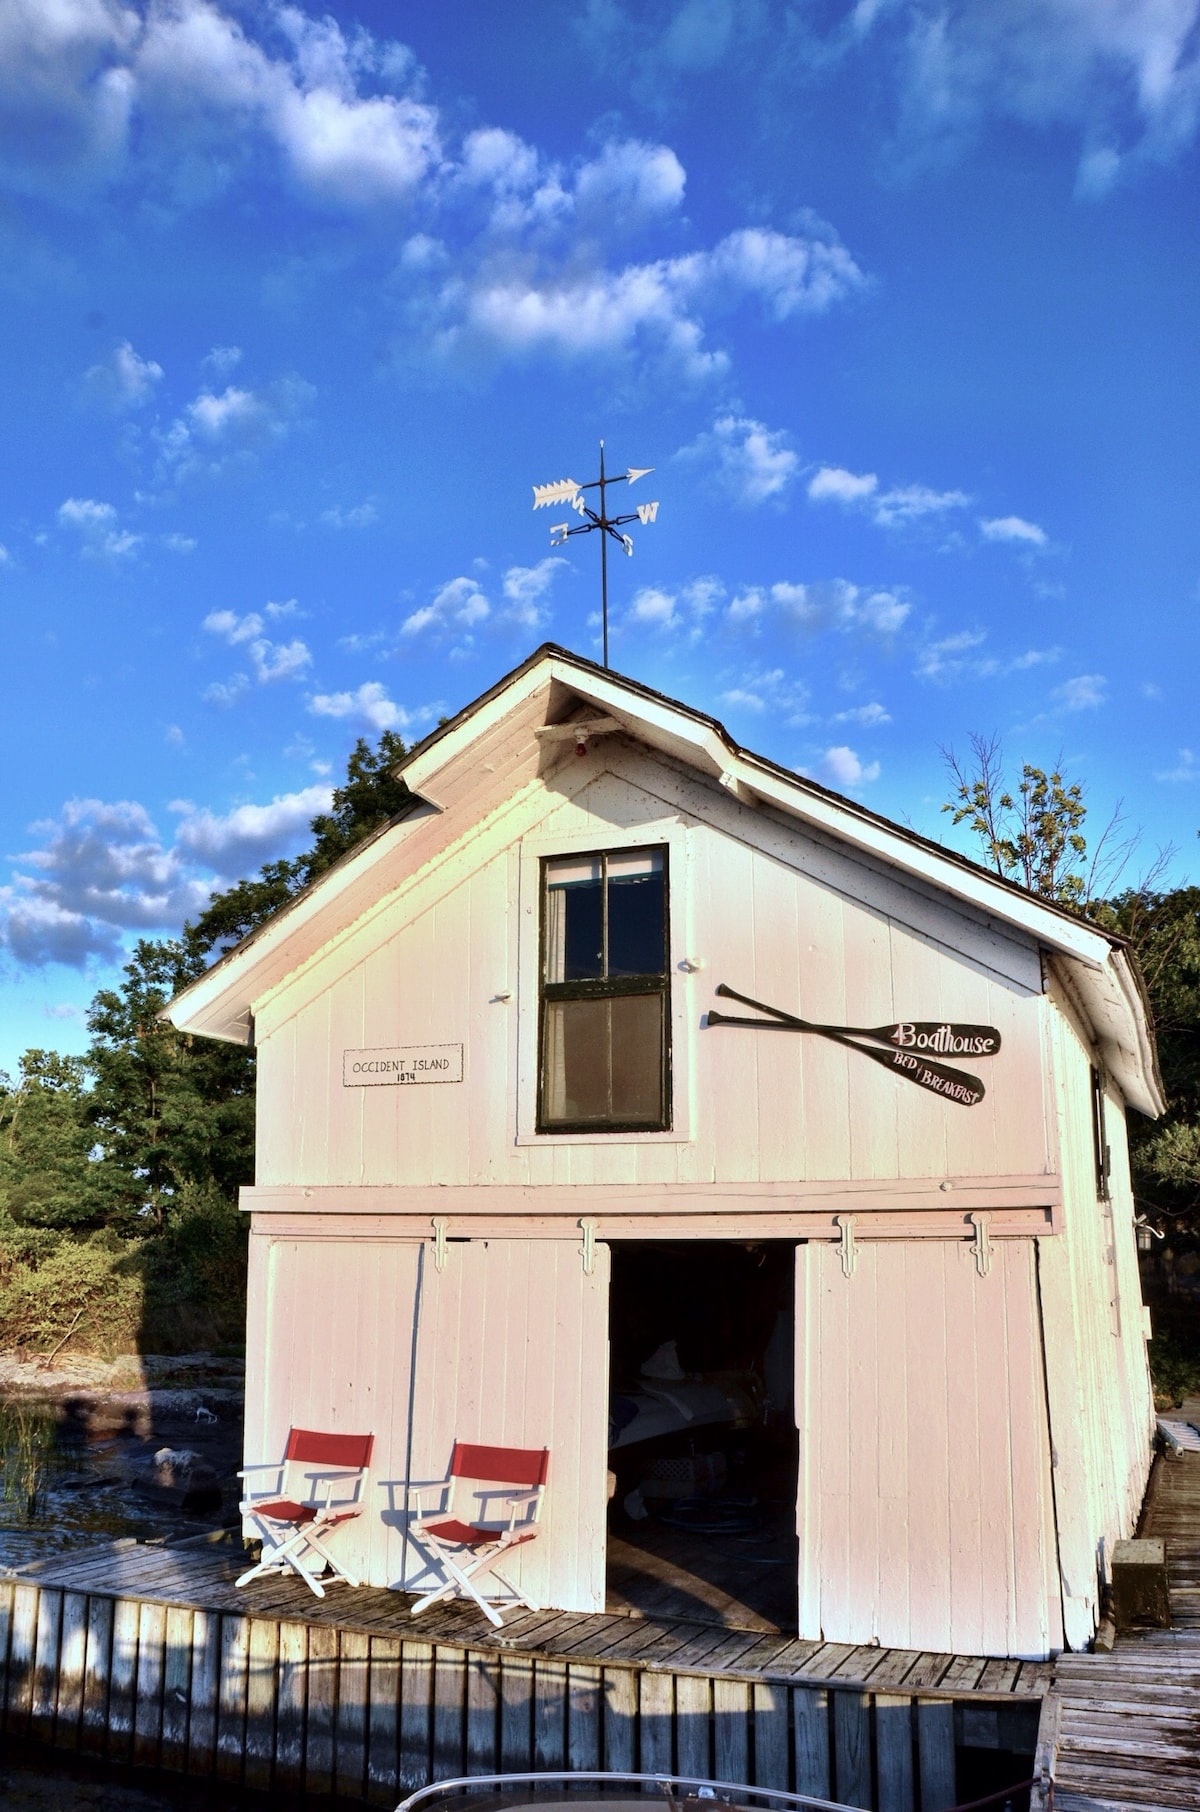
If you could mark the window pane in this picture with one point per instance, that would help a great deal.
(637, 1058)
(574, 928)
(636, 920)
(602, 1061)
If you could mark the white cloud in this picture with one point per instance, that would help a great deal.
(180, 544)
(124, 380)
(6, 558)
(895, 508)
(224, 693)
(220, 429)
(101, 868)
(271, 660)
(952, 658)
(355, 150)
(1083, 693)
(360, 515)
(684, 609)
(769, 689)
(1125, 77)
(751, 462)
(881, 612)
(237, 842)
(945, 659)
(66, 92)
(909, 502)
(1014, 528)
(459, 604)
(840, 767)
(232, 628)
(630, 180)
(370, 704)
(836, 604)
(1187, 768)
(527, 590)
(279, 660)
(101, 872)
(285, 607)
(221, 360)
(101, 536)
(834, 482)
(869, 716)
(656, 305)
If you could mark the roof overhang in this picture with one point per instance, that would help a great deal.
(1101, 966)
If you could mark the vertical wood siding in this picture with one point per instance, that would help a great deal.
(506, 1346)
(284, 1707)
(1098, 1384)
(773, 912)
(912, 1374)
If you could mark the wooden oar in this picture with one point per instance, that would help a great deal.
(937, 1036)
(938, 1078)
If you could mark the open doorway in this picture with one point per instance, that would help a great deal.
(703, 1450)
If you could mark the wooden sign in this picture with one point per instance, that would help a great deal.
(913, 1045)
(402, 1065)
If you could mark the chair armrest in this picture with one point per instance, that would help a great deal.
(261, 1466)
(524, 1497)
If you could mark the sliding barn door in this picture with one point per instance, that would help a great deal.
(925, 1508)
(506, 1345)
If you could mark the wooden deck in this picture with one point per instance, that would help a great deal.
(202, 1577)
(1121, 1732)
(151, 1654)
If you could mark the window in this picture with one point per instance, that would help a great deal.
(604, 1026)
(1100, 1144)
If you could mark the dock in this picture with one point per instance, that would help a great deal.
(150, 1654)
(1121, 1732)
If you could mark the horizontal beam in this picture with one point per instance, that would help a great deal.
(869, 1196)
(1004, 1223)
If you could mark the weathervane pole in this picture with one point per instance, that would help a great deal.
(603, 562)
(565, 490)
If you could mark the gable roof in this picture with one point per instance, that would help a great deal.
(502, 741)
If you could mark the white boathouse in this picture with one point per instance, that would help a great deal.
(509, 1147)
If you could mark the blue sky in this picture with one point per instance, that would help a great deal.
(899, 299)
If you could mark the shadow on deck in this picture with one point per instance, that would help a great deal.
(152, 1655)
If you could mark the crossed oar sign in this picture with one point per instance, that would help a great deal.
(908, 1041)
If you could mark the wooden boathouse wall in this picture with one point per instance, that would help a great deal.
(280, 1702)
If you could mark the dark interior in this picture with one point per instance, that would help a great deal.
(704, 1451)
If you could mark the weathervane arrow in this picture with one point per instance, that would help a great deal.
(565, 490)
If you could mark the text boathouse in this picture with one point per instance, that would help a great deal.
(630, 1096)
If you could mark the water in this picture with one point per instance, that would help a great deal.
(37, 1780)
(74, 1478)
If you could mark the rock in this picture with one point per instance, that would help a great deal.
(179, 1477)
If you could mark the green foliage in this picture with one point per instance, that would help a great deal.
(119, 1171)
(194, 1275)
(1032, 833)
(79, 1293)
(27, 1452)
(47, 1178)
(1174, 1357)
(1164, 929)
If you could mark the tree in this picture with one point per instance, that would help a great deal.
(48, 1174)
(1164, 929)
(1033, 832)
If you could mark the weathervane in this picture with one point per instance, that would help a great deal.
(565, 490)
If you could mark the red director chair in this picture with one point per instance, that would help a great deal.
(466, 1551)
(295, 1528)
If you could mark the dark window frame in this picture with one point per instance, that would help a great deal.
(605, 988)
(1101, 1150)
